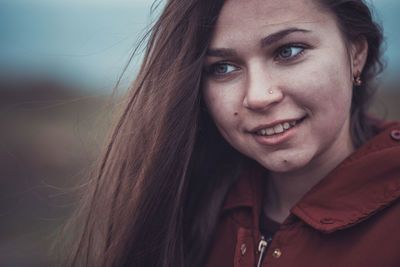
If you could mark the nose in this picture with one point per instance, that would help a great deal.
(263, 90)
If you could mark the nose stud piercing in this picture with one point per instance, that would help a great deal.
(357, 79)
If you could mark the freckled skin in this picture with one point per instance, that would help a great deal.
(317, 84)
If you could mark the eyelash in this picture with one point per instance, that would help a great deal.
(211, 70)
(299, 54)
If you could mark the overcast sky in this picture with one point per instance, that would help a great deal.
(89, 41)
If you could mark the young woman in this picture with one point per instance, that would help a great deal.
(245, 141)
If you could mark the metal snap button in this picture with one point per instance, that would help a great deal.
(395, 134)
(243, 248)
(277, 253)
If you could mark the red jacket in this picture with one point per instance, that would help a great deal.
(350, 218)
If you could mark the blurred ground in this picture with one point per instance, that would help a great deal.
(51, 134)
(387, 101)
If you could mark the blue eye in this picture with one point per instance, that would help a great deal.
(222, 68)
(290, 51)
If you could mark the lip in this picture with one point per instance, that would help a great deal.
(277, 139)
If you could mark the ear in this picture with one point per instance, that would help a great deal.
(359, 54)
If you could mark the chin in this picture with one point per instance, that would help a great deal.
(286, 164)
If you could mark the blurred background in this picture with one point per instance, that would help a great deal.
(59, 62)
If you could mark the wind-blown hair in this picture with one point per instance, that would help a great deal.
(156, 195)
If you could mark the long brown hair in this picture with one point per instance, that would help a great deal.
(156, 196)
(138, 209)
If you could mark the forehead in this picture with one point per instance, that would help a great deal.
(270, 10)
(264, 16)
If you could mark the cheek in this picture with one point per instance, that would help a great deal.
(325, 85)
(328, 97)
(221, 106)
(337, 92)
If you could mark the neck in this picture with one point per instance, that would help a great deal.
(284, 190)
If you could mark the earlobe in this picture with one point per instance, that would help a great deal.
(359, 54)
(357, 79)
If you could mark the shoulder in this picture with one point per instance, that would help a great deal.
(382, 149)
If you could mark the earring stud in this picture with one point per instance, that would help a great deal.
(357, 79)
(270, 92)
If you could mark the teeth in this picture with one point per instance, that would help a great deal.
(279, 128)
(270, 131)
(286, 125)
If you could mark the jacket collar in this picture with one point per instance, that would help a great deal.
(248, 192)
(364, 183)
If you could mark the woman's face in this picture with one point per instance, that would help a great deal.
(278, 83)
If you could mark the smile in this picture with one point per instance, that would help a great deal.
(277, 128)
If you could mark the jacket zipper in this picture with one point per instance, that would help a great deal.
(263, 246)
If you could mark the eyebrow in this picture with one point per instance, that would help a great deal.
(275, 37)
(266, 41)
(221, 52)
